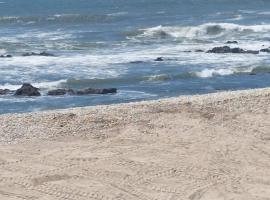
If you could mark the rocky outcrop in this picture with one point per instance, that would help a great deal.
(38, 54)
(227, 49)
(86, 91)
(4, 91)
(27, 90)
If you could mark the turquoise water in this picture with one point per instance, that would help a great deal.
(110, 43)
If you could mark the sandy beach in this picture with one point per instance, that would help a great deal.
(205, 147)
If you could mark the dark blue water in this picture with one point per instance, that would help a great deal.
(98, 43)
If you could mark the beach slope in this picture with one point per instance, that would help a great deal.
(207, 147)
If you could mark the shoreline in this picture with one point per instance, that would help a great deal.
(197, 147)
(192, 102)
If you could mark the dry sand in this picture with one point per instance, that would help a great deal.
(209, 147)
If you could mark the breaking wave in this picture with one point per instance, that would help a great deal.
(41, 85)
(157, 78)
(204, 31)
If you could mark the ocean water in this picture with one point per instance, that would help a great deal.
(113, 43)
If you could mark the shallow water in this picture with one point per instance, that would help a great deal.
(98, 44)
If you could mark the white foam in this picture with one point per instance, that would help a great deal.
(206, 73)
(2, 51)
(54, 35)
(117, 14)
(237, 18)
(3, 18)
(264, 13)
(41, 85)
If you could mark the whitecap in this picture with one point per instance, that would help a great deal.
(206, 73)
(41, 85)
(203, 31)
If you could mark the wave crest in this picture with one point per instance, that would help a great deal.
(204, 31)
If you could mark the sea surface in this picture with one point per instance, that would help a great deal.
(113, 43)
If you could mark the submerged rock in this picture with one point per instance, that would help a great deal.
(57, 92)
(96, 91)
(86, 91)
(252, 52)
(38, 54)
(4, 91)
(227, 49)
(136, 62)
(198, 50)
(159, 59)
(231, 42)
(27, 90)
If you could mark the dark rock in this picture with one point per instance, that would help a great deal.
(237, 50)
(252, 52)
(46, 54)
(159, 59)
(5, 56)
(86, 91)
(188, 51)
(227, 49)
(57, 92)
(231, 42)
(265, 50)
(38, 54)
(71, 91)
(4, 91)
(27, 90)
(224, 49)
(96, 91)
(109, 91)
(136, 62)
(252, 73)
(199, 50)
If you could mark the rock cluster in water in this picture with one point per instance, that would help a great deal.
(28, 90)
(86, 91)
(227, 49)
(38, 54)
(267, 50)
(6, 56)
